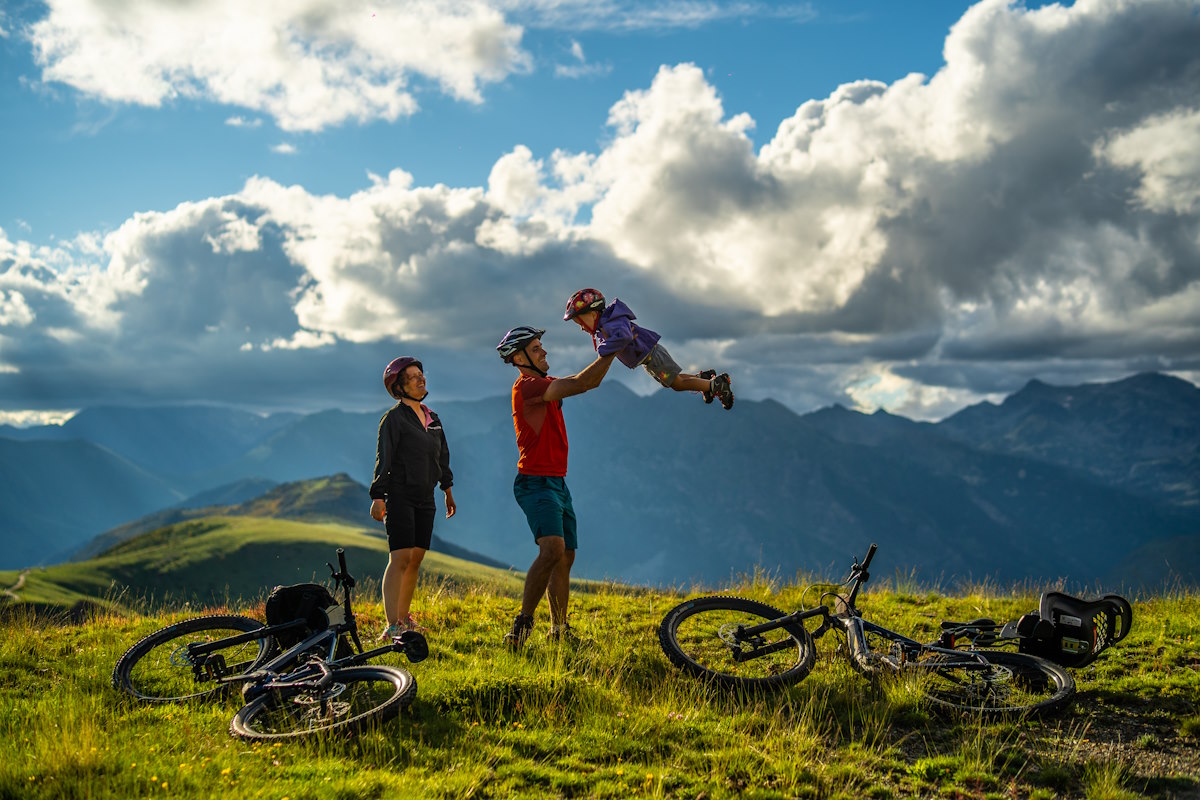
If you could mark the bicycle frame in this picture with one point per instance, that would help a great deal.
(858, 576)
(852, 624)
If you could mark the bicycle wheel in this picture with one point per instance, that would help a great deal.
(702, 637)
(994, 682)
(158, 669)
(353, 697)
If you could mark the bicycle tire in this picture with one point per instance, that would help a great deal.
(697, 636)
(1011, 684)
(354, 697)
(157, 668)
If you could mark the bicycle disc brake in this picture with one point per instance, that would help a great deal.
(991, 683)
(181, 656)
(730, 634)
(322, 706)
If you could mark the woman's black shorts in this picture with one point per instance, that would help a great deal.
(409, 526)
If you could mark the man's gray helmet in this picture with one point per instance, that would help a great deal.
(516, 340)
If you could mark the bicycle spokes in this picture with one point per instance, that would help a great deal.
(984, 685)
(301, 709)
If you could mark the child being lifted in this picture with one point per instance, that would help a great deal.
(613, 331)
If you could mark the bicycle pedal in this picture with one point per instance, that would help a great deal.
(214, 667)
(414, 646)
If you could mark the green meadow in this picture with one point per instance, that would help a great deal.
(609, 718)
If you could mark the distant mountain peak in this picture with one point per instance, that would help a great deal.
(1157, 380)
(333, 497)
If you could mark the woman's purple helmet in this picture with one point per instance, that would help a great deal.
(393, 375)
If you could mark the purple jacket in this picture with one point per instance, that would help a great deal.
(616, 333)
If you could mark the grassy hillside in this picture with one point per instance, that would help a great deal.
(337, 499)
(216, 558)
(609, 719)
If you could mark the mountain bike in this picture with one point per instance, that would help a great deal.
(738, 643)
(298, 675)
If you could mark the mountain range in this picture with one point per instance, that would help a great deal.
(1096, 484)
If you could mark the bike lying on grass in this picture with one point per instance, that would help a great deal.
(743, 644)
(317, 683)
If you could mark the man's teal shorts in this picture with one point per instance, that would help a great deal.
(546, 502)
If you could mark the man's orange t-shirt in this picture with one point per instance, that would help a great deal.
(541, 429)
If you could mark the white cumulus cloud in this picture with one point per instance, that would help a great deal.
(308, 64)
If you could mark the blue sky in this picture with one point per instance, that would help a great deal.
(908, 206)
(154, 158)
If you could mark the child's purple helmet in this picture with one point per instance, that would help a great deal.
(583, 301)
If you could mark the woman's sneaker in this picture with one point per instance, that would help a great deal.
(391, 632)
(409, 623)
(708, 374)
(521, 628)
(721, 388)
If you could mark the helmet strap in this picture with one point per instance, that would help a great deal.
(406, 396)
(530, 363)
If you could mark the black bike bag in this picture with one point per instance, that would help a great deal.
(306, 601)
(1078, 630)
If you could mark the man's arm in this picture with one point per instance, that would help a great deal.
(586, 380)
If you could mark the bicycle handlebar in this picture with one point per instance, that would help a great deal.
(859, 575)
(870, 554)
(859, 571)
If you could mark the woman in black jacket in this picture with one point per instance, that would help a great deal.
(412, 458)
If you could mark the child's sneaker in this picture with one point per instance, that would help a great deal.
(722, 390)
(391, 632)
(708, 375)
(521, 628)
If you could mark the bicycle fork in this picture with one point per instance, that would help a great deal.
(792, 623)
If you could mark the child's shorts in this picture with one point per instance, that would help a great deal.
(661, 366)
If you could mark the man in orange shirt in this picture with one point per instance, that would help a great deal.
(540, 486)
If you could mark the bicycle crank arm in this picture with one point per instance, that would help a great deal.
(411, 643)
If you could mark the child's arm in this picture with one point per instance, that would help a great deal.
(614, 336)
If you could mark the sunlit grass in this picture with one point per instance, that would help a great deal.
(610, 719)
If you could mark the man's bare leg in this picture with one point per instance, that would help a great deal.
(552, 550)
(559, 588)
